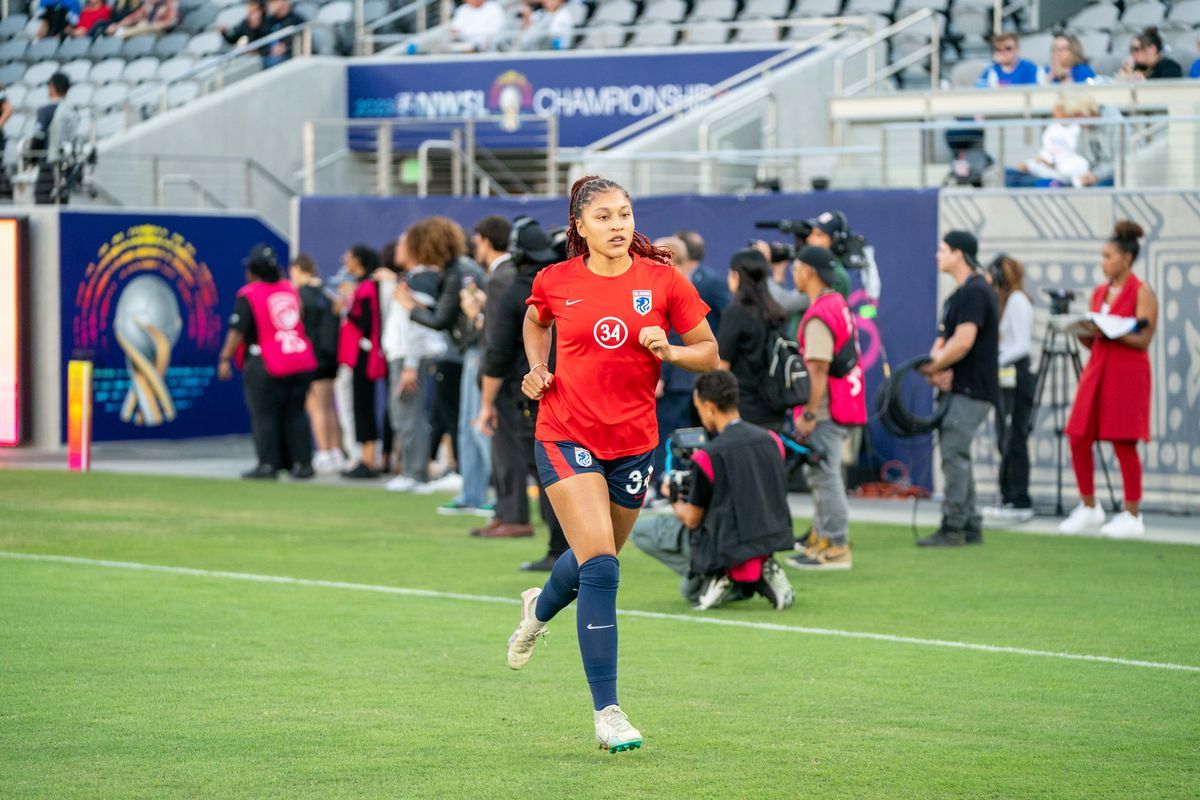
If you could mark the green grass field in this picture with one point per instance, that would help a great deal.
(123, 683)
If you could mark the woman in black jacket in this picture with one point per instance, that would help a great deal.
(742, 338)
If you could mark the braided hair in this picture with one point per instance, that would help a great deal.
(582, 193)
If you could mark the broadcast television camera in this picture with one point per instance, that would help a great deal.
(848, 247)
(1060, 300)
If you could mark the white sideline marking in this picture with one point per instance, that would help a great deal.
(482, 598)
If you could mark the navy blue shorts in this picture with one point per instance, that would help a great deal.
(628, 477)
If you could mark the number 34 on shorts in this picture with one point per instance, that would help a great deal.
(628, 477)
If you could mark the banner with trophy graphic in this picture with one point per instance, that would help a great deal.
(145, 298)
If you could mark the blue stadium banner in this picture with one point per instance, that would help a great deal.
(145, 298)
(592, 95)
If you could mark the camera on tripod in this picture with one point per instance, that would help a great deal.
(1060, 299)
(684, 442)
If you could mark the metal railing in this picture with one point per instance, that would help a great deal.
(224, 181)
(367, 35)
(870, 46)
(353, 156)
(1128, 137)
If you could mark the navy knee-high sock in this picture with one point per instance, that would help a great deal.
(596, 621)
(561, 587)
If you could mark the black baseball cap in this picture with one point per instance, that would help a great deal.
(830, 223)
(821, 260)
(965, 242)
(262, 255)
(536, 245)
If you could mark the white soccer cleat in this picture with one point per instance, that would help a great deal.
(1124, 525)
(776, 586)
(520, 644)
(1082, 519)
(717, 591)
(613, 731)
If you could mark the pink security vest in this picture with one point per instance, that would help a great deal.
(285, 348)
(847, 395)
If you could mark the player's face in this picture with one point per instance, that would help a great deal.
(607, 224)
(1112, 261)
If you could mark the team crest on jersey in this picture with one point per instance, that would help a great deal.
(642, 302)
(582, 457)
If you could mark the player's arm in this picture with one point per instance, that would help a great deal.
(537, 350)
(698, 353)
(1147, 309)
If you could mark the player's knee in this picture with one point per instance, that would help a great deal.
(601, 571)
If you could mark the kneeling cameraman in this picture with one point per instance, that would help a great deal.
(735, 514)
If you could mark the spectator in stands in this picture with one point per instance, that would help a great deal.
(1195, 71)
(120, 9)
(1072, 153)
(250, 29)
(280, 16)
(411, 350)
(360, 348)
(546, 25)
(321, 324)
(93, 18)
(440, 243)
(1068, 64)
(478, 24)
(1146, 61)
(58, 18)
(6, 110)
(711, 287)
(1008, 68)
(750, 319)
(152, 16)
(57, 124)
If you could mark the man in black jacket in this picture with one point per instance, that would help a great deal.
(505, 413)
(280, 16)
(736, 513)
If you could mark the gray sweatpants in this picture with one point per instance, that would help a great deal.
(664, 538)
(409, 421)
(958, 429)
(831, 515)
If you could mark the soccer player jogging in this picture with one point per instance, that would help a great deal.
(611, 305)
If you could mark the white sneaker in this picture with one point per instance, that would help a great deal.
(613, 731)
(422, 487)
(1008, 513)
(715, 592)
(1082, 519)
(1124, 525)
(520, 644)
(400, 483)
(450, 482)
(337, 461)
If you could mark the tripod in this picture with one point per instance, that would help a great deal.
(1060, 353)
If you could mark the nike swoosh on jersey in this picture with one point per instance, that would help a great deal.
(592, 627)
(573, 302)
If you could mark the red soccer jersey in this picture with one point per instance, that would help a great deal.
(602, 396)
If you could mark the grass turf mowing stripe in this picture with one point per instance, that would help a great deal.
(479, 598)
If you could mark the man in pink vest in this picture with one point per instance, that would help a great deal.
(267, 341)
(836, 402)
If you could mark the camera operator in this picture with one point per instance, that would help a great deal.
(57, 125)
(963, 363)
(827, 227)
(836, 402)
(730, 508)
(505, 413)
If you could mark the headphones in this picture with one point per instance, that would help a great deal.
(995, 269)
(514, 237)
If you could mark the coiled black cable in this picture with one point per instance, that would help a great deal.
(895, 415)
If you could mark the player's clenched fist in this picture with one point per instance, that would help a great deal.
(654, 339)
(537, 381)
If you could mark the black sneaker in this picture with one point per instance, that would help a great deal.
(263, 472)
(944, 538)
(301, 472)
(360, 472)
(544, 565)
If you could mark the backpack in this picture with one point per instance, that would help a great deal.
(785, 385)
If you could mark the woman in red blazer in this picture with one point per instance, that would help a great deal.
(1113, 401)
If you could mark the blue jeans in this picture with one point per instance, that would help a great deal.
(474, 449)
